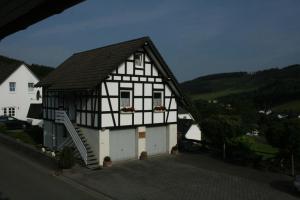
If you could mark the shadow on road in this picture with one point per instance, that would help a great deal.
(286, 187)
(3, 198)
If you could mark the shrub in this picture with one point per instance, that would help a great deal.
(2, 128)
(66, 158)
(144, 155)
(36, 133)
(107, 159)
(239, 151)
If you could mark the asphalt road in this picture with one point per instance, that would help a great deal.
(23, 179)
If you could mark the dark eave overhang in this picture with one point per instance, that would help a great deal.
(16, 15)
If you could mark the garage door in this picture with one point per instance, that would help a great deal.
(122, 144)
(156, 140)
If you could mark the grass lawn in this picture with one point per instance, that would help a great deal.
(261, 147)
(217, 94)
(289, 106)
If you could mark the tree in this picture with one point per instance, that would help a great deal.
(285, 135)
(218, 130)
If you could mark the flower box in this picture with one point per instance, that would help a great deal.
(159, 108)
(127, 110)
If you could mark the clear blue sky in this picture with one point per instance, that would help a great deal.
(196, 37)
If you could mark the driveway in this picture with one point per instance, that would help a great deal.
(22, 178)
(183, 176)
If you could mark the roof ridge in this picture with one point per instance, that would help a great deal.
(114, 44)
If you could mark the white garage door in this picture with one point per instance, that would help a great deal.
(156, 140)
(122, 144)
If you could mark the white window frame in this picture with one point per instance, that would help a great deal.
(11, 111)
(130, 99)
(138, 62)
(12, 86)
(161, 98)
(30, 89)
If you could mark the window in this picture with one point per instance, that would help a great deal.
(30, 87)
(125, 100)
(12, 86)
(157, 99)
(9, 111)
(38, 95)
(138, 59)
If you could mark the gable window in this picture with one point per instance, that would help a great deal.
(12, 86)
(30, 87)
(157, 99)
(138, 60)
(125, 98)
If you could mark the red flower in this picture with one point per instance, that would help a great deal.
(159, 108)
(128, 109)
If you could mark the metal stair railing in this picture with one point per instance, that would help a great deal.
(62, 117)
(66, 141)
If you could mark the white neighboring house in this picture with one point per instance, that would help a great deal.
(116, 101)
(187, 127)
(17, 90)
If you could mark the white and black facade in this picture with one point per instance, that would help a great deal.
(133, 109)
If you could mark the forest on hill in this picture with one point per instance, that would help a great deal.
(275, 88)
(250, 118)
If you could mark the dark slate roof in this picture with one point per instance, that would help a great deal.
(182, 110)
(35, 111)
(87, 69)
(16, 15)
(183, 125)
(7, 67)
(10, 65)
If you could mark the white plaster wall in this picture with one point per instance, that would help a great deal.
(171, 136)
(194, 133)
(21, 98)
(93, 139)
(185, 116)
(141, 142)
(104, 145)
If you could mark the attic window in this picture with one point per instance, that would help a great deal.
(157, 99)
(12, 86)
(125, 98)
(138, 60)
(30, 87)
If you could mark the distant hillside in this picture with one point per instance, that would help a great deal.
(40, 70)
(272, 88)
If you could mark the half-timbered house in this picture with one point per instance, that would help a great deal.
(119, 101)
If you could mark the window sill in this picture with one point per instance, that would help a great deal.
(159, 111)
(129, 112)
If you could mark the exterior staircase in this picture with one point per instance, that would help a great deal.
(77, 140)
(92, 161)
